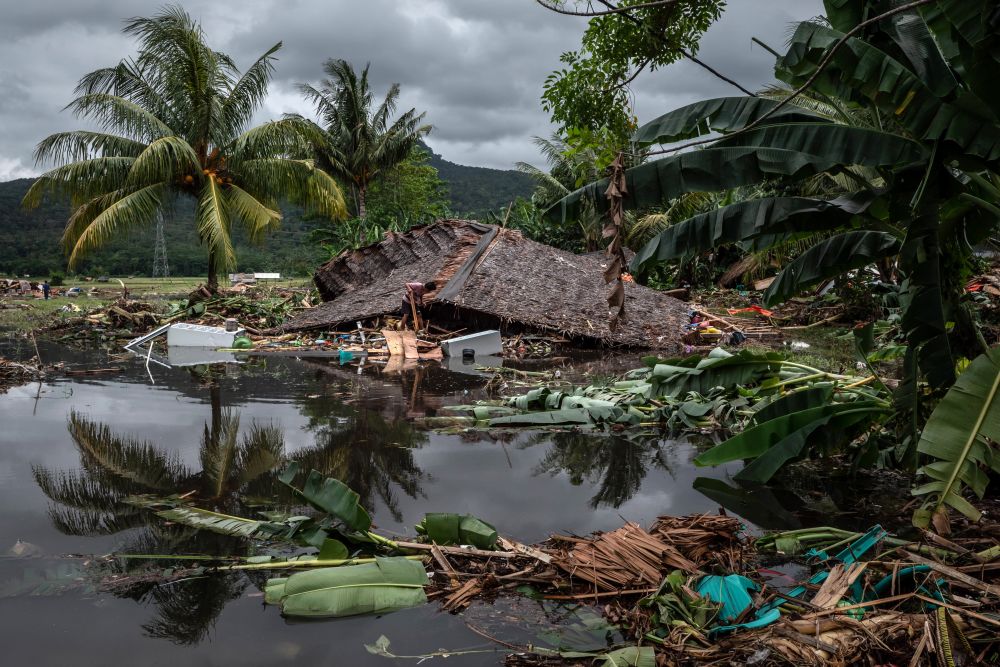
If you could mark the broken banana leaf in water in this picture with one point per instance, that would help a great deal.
(388, 584)
(329, 495)
(451, 529)
(781, 410)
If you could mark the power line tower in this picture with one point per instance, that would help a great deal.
(160, 267)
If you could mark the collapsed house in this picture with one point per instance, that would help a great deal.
(490, 277)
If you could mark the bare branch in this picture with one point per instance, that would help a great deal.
(631, 78)
(554, 7)
(717, 73)
(689, 56)
(798, 91)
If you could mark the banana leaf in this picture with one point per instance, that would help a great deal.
(448, 529)
(776, 217)
(722, 114)
(796, 401)
(924, 319)
(551, 418)
(225, 524)
(708, 170)
(913, 38)
(719, 369)
(961, 435)
(329, 495)
(860, 69)
(845, 144)
(388, 584)
(830, 258)
(630, 656)
(775, 442)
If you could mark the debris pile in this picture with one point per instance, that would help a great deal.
(687, 590)
(13, 373)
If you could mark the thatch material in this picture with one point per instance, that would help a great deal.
(626, 558)
(493, 274)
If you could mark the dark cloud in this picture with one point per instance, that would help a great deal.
(475, 66)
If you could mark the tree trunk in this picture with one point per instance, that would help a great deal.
(213, 278)
(362, 193)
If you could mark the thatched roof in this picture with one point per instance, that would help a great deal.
(483, 270)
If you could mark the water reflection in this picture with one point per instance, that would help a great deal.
(235, 473)
(616, 464)
(363, 448)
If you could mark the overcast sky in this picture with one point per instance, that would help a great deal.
(475, 66)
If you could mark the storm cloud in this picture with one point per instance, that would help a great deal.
(475, 66)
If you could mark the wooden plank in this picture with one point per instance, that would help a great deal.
(954, 574)
(432, 355)
(409, 340)
(394, 341)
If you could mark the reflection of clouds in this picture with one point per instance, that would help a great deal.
(475, 478)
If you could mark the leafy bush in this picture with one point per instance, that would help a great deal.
(57, 278)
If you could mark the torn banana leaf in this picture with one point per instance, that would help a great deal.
(448, 529)
(388, 584)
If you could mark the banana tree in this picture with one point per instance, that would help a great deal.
(923, 71)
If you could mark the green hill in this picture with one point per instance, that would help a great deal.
(30, 241)
(478, 190)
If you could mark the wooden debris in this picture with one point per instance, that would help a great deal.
(628, 557)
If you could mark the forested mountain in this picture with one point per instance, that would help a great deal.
(30, 241)
(477, 190)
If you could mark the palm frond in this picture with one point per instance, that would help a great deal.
(219, 451)
(251, 212)
(81, 180)
(213, 223)
(131, 210)
(249, 91)
(84, 145)
(163, 161)
(128, 459)
(118, 114)
(262, 450)
(297, 180)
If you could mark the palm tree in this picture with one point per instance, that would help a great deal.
(359, 143)
(174, 122)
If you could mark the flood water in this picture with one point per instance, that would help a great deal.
(72, 449)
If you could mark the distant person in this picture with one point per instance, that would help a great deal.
(45, 290)
(414, 295)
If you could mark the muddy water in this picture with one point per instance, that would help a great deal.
(73, 448)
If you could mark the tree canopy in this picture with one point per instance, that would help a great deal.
(174, 121)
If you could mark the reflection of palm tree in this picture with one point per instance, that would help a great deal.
(363, 449)
(620, 463)
(91, 501)
(234, 472)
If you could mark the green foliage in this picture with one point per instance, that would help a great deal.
(906, 128)
(961, 436)
(357, 143)
(590, 92)
(407, 194)
(174, 123)
(57, 279)
(329, 495)
(449, 529)
(388, 584)
(786, 410)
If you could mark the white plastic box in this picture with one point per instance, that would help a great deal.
(182, 334)
(484, 343)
